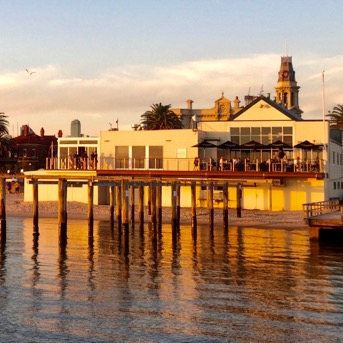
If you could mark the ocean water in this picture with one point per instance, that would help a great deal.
(245, 285)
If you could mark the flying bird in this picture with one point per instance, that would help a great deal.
(30, 72)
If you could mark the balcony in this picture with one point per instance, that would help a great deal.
(235, 166)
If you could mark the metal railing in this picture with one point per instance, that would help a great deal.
(110, 163)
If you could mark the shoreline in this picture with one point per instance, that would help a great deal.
(16, 207)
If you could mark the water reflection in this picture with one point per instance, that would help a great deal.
(244, 284)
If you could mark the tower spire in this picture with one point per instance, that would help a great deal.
(287, 90)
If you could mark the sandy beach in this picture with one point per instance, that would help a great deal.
(15, 206)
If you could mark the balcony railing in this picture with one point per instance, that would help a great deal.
(109, 163)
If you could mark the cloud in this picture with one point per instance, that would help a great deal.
(52, 97)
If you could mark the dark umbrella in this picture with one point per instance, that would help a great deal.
(306, 145)
(252, 145)
(205, 144)
(279, 145)
(228, 145)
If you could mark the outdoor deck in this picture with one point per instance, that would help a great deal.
(325, 219)
(324, 214)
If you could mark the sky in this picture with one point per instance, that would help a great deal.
(107, 60)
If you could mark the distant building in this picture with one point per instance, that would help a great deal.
(75, 128)
(32, 150)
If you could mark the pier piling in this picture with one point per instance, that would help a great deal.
(62, 211)
(35, 209)
(90, 209)
(3, 210)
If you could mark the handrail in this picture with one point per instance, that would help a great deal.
(111, 163)
(318, 208)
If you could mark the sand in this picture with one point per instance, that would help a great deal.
(15, 206)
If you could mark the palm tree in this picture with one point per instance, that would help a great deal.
(5, 138)
(160, 117)
(336, 117)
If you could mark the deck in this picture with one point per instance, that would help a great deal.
(325, 219)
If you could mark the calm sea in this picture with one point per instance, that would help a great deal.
(249, 285)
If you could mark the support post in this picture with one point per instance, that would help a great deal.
(132, 204)
(153, 203)
(210, 204)
(173, 203)
(149, 200)
(125, 207)
(178, 204)
(90, 209)
(194, 210)
(3, 209)
(118, 206)
(141, 205)
(112, 201)
(62, 213)
(239, 200)
(35, 208)
(159, 204)
(226, 205)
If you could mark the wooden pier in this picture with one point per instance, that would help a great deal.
(325, 219)
(122, 200)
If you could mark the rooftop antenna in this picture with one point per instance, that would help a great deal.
(261, 91)
(117, 122)
(249, 91)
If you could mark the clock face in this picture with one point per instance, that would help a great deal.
(285, 73)
(222, 108)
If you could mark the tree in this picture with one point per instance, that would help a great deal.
(336, 117)
(160, 117)
(5, 138)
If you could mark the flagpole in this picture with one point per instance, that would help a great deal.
(325, 143)
(323, 104)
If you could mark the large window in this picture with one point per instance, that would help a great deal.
(264, 135)
(155, 157)
(122, 157)
(138, 157)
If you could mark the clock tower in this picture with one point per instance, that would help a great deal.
(287, 90)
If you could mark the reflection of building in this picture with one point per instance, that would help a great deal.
(268, 182)
(32, 150)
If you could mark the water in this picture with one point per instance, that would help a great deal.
(251, 285)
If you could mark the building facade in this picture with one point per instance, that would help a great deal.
(282, 160)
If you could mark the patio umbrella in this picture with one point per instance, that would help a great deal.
(252, 145)
(228, 145)
(279, 145)
(306, 145)
(205, 144)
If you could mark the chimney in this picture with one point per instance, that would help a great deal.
(189, 104)
(42, 132)
(59, 133)
(236, 104)
(26, 130)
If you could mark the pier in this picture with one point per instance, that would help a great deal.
(325, 219)
(126, 192)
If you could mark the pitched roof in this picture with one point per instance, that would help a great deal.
(291, 115)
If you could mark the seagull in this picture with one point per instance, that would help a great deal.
(30, 72)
